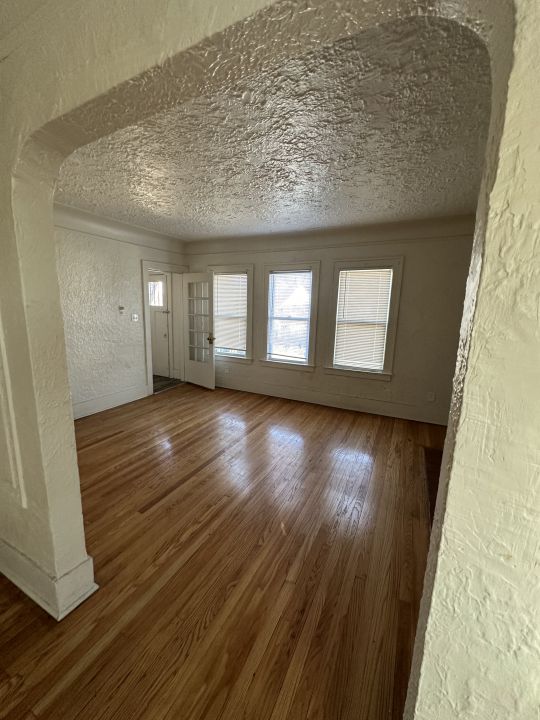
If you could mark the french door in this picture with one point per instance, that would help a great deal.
(199, 328)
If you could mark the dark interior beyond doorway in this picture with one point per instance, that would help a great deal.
(161, 383)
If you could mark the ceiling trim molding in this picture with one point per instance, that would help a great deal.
(455, 228)
(70, 218)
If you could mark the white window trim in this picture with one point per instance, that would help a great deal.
(315, 271)
(396, 265)
(233, 269)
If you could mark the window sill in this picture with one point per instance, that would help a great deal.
(233, 359)
(288, 365)
(384, 375)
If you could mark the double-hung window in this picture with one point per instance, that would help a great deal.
(232, 313)
(291, 321)
(366, 317)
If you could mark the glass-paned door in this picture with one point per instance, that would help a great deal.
(198, 329)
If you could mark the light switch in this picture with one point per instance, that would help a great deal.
(134, 317)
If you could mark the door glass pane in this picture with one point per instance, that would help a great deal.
(155, 293)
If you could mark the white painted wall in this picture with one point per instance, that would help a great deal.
(100, 269)
(436, 260)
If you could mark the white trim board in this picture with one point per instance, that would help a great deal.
(414, 231)
(105, 402)
(57, 596)
(375, 406)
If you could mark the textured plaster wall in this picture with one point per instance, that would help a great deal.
(435, 263)
(105, 349)
(479, 657)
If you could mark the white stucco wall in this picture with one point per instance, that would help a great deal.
(435, 259)
(97, 274)
(480, 657)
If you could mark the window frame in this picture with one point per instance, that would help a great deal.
(390, 263)
(236, 270)
(314, 267)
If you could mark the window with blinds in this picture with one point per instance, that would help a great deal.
(231, 313)
(289, 315)
(362, 318)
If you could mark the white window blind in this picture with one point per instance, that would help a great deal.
(289, 314)
(362, 318)
(231, 313)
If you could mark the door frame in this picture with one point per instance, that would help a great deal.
(176, 318)
(165, 277)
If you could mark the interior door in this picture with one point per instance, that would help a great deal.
(199, 328)
(158, 293)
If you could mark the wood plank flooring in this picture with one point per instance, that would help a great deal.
(258, 559)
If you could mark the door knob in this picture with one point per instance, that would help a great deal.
(211, 339)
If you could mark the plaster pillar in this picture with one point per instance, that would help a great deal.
(42, 547)
(477, 653)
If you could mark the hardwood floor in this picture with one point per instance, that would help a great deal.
(258, 558)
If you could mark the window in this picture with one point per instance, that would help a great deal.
(364, 300)
(290, 321)
(155, 293)
(231, 313)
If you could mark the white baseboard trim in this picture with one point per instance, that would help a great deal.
(56, 595)
(431, 414)
(105, 402)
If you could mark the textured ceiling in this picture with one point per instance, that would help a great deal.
(386, 126)
(14, 12)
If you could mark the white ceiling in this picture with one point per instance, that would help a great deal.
(14, 12)
(386, 126)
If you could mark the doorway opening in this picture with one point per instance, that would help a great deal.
(159, 289)
(178, 319)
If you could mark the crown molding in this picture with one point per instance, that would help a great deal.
(70, 218)
(461, 227)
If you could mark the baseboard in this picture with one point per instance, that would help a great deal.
(432, 414)
(105, 402)
(58, 596)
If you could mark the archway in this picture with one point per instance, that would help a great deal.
(39, 413)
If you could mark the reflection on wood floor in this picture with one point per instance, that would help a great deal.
(257, 558)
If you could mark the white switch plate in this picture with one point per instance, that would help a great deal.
(134, 317)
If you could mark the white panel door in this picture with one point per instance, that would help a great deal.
(198, 329)
(158, 294)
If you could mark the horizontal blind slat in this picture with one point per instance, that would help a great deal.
(362, 318)
(230, 313)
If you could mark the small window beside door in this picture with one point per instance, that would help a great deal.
(291, 320)
(365, 318)
(155, 293)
